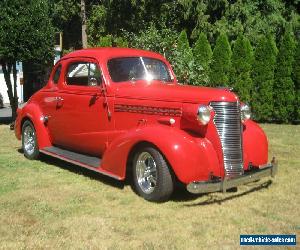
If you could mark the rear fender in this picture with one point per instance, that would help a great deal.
(191, 158)
(33, 113)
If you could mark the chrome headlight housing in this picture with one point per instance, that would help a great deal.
(203, 114)
(245, 112)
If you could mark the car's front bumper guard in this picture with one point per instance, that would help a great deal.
(199, 187)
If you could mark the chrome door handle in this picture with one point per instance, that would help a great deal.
(58, 98)
(59, 101)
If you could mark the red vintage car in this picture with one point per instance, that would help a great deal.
(122, 112)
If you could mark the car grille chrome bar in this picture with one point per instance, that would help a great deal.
(227, 120)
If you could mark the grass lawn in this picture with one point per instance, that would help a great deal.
(50, 204)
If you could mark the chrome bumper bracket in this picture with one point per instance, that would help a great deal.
(200, 187)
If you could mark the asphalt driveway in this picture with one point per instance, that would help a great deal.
(5, 115)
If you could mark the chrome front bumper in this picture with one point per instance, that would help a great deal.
(200, 187)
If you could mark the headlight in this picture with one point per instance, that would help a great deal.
(203, 114)
(245, 112)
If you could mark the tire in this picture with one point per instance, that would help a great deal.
(29, 141)
(151, 175)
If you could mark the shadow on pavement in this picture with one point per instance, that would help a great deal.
(5, 120)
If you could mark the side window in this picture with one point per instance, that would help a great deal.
(83, 74)
(56, 75)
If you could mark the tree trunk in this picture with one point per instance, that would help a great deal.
(14, 107)
(83, 27)
(11, 89)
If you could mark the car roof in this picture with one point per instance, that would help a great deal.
(106, 53)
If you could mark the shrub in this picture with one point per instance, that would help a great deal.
(241, 65)
(220, 64)
(263, 78)
(284, 89)
(296, 78)
(202, 56)
(183, 60)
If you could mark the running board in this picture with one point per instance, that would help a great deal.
(90, 162)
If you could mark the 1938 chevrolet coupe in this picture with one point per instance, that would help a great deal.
(121, 111)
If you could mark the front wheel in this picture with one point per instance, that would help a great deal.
(151, 175)
(29, 141)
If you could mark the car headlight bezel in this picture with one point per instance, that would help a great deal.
(203, 114)
(245, 112)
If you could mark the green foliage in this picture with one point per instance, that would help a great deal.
(183, 61)
(296, 78)
(161, 41)
(66, 19)
(105, 41)
(241, 65)
(26, 31)
(284, 91)
(251, 18)
(263, 78)
(120, 42)
(220, 64)
(96, 24)
(202, 56)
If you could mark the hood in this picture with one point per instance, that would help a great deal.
(172, 92)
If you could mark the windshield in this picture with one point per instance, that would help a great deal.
(138, 68)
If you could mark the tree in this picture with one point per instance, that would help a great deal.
(263, 78)
(183, 60)
(161, 41)
(83, 24)
(26, 33)
(220, 64)
(241, 65)
(296, 78)
(66, 17)
(96, 24)
(202, 56)
(284, 89)
(251, 18)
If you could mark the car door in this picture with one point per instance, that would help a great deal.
(80, 122)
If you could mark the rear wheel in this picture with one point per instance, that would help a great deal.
(29, 141)
(151, 175)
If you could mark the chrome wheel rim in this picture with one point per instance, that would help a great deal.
(29, 140)
(146, 172)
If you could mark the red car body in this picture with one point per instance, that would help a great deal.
(110, 121)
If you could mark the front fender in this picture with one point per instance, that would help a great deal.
(191, 158)
(33, 112)
(255, 144)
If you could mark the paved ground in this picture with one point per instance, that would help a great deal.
(5, 115)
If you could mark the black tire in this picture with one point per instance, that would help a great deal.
(30, 151)
(159, 190)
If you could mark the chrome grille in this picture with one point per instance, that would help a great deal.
(228, 123)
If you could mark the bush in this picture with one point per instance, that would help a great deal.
(202, 56)
(241, 65)
(284, 89)
(220, 64)
(183, 61)
(263, 78)
(296, 78)
(120, 42)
